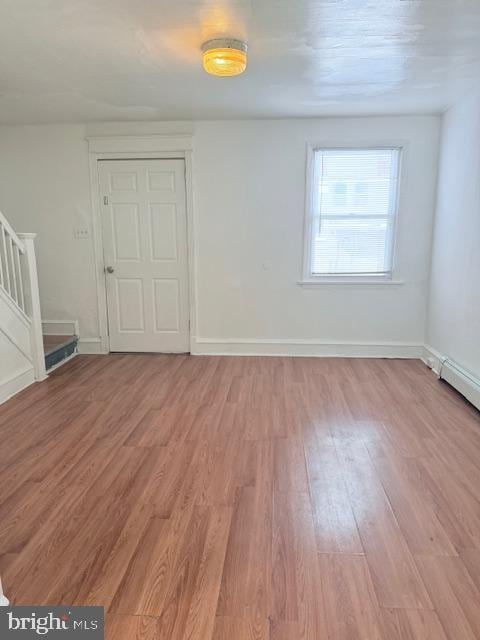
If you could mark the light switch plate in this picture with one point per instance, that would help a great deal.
(81, 233)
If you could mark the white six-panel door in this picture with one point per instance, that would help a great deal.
(144, 227)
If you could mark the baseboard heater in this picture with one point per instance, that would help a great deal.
(462, 380)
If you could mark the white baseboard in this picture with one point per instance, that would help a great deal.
(305, 348)
(432, 358)
(90, 346)
(9, 388)
(60, 327)
(464, 381)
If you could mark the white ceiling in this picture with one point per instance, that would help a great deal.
(84, 60)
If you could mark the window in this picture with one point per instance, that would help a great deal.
(351, 217)
(340, 194)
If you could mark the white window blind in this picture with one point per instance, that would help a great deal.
(353, 212)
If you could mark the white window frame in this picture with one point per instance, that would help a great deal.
(311, 279)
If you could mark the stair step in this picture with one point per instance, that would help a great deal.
(58, 348)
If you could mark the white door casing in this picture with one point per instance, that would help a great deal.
(144, 229)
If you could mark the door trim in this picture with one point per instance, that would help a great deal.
(154, 147)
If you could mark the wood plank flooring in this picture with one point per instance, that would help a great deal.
(217, 498)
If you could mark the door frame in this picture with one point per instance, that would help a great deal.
(151, 147)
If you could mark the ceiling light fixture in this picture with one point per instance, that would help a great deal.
(224, 57)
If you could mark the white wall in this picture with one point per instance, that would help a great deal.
(16, 371)
(45, 188)
(249, 192)
(249, 207)
(454, 309)
(16, 368)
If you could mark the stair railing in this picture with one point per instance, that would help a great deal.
(11, 248)
(19, 282)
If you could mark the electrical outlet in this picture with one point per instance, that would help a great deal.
(81, 233)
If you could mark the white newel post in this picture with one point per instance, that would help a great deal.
(3, 600)
(34, 305)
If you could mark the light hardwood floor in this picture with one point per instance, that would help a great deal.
(209, 498)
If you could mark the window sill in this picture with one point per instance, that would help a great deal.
(321, 282)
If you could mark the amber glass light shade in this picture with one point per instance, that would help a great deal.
(225, 57)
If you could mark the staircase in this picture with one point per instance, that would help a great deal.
(22, 357)
(58, 349)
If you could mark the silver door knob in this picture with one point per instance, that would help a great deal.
(109, 269)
